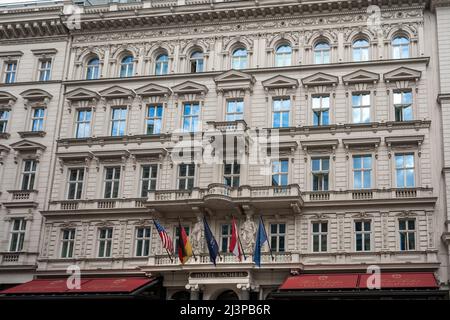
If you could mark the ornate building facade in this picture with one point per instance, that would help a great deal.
(356, 98)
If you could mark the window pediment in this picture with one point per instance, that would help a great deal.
(7, 99)
(111, 154)
(4, 148)
(320, 144)
(36, 94)
(361, 142)
(82, 94)
(404, 140)
(152, 89)
(27, 145)
(361, 76)
(402, 74)
(155, 153)
(284, 148)
(320, 79)
(117, 92)
(189, 87)
(234, 79)
(280, 82)
(74, 156)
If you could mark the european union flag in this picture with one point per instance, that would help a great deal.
(213, 247)
(261, 238)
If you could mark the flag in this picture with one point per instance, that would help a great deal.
(165, 239)
(261, 238)
(213, 247)
(234, 247)
(184, 246)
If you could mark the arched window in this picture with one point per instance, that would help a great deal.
(162, 64)
(126, 67)
(239, 59)
(322, 53)
(361, 50)
(196, 62)
(400, 47)
(283, 55)
(93, 69)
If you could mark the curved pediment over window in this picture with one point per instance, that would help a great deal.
(117, 92)
(27, 145)
(402, 74)
(234, 79)
(189, 87)
(361, 76)
(36, 96)
(320, 79)
(82, 94)
(6, 99)
(152, 89)
(280, 82)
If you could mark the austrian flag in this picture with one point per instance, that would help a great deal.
(234, 247)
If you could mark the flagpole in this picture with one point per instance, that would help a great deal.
(170, 257)
(239, 239)
(268, 240)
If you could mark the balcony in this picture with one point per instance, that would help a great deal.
(96, 204)
(22, 198)
(18, 258)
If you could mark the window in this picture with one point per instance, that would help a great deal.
(321, 110)
(280, 172)
(231, 173)
(277, 236)
(225, 237)
(283, 56)
(67, 243)
(153, 119)
(361, 50)
(281, 110)
(148, 180)
(83, 123)
(17, 235)
(319, 236)
(407, 229)
(362, 235)
(196, 61)
(45, 70)
(191, 113)
(37, 119)
(235, 110)
(28, 174)
(239, 59)
(361, 107)
(362, 172)
(162, 64)
(142, 242)
(177, 235)
(400, 48)
(126, 67)
(320, 172)
(111, 182)
(404, 169)
(104, 242)
(403, 106)
(118, 121)
(322, 53)
(4, 116)
(76, 177)
(186, 174)
(93, 69)
(10, 72)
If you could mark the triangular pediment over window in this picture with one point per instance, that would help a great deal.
(320, 79)
(6, 98)
(82, 94)
(152, 89)
(233, 80)
(36, 94)
(189, 87)
(117, 92)
(27, 145)
(280, 82)
(401, 74)
(4, 148)
(361, 76)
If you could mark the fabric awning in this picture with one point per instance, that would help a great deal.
(88, 285)
(321, 281)
(403, 280)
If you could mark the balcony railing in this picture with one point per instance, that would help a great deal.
(21, 196)
(71, 205)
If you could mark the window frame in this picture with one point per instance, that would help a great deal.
(7, 73)
(361, 106)
(225, 236)
(113, 182)
(279, 173)
(321, 109)
(155, 118)
(281, 111)
(67, 244)
(233, 175)
(239, 62)
(321, 59)
(121, 121)
(85, 123)
(126, 69)
(403, 105)
(361, 49)
(108, 241)
(78, 184)
(194, 118)
(285, 57)
(275, 237)
(407, 232)
(31, 174)
(320, 234)
(148, 179)
(363, 232)
(45, 72)
(38, 119)
(362, 170)
(397, 48)
(234, 115)
(20, 232)
(196, 64)
(162, 66)
(187, 178)
(92, 71)
(145, 239)
(404, 169)
(321, 174)
(4, 120)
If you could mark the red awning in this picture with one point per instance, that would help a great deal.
(88, 285)
(321, 281)
(403, 280)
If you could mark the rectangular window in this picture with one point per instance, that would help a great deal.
(177, 235)
(111, 182)
(407, 229)
(105, 242)
(361, 107)
(118, 121)
(142, 242)
(231, 174)
(362, 235)
(235, 110)
(186, 174)
(153, 119)
(320, 171)
(278, 237)
(83, 123)
(362, 172)
(320, 236)
(148, 179)
(76, 177)
(17, 235)
(45, 70)
(280, 171)
(10, 71)
(281, 110)
(321, 110)
(225, 237)
(67, 243)
(191, 114)
(403, 106)
(4, 117)
(28, 174)
(404, 169)
(37, 119)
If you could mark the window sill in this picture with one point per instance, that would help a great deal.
(28, 134)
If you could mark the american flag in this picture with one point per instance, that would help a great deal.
(166, 241)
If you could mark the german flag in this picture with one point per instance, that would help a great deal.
(184, 246)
